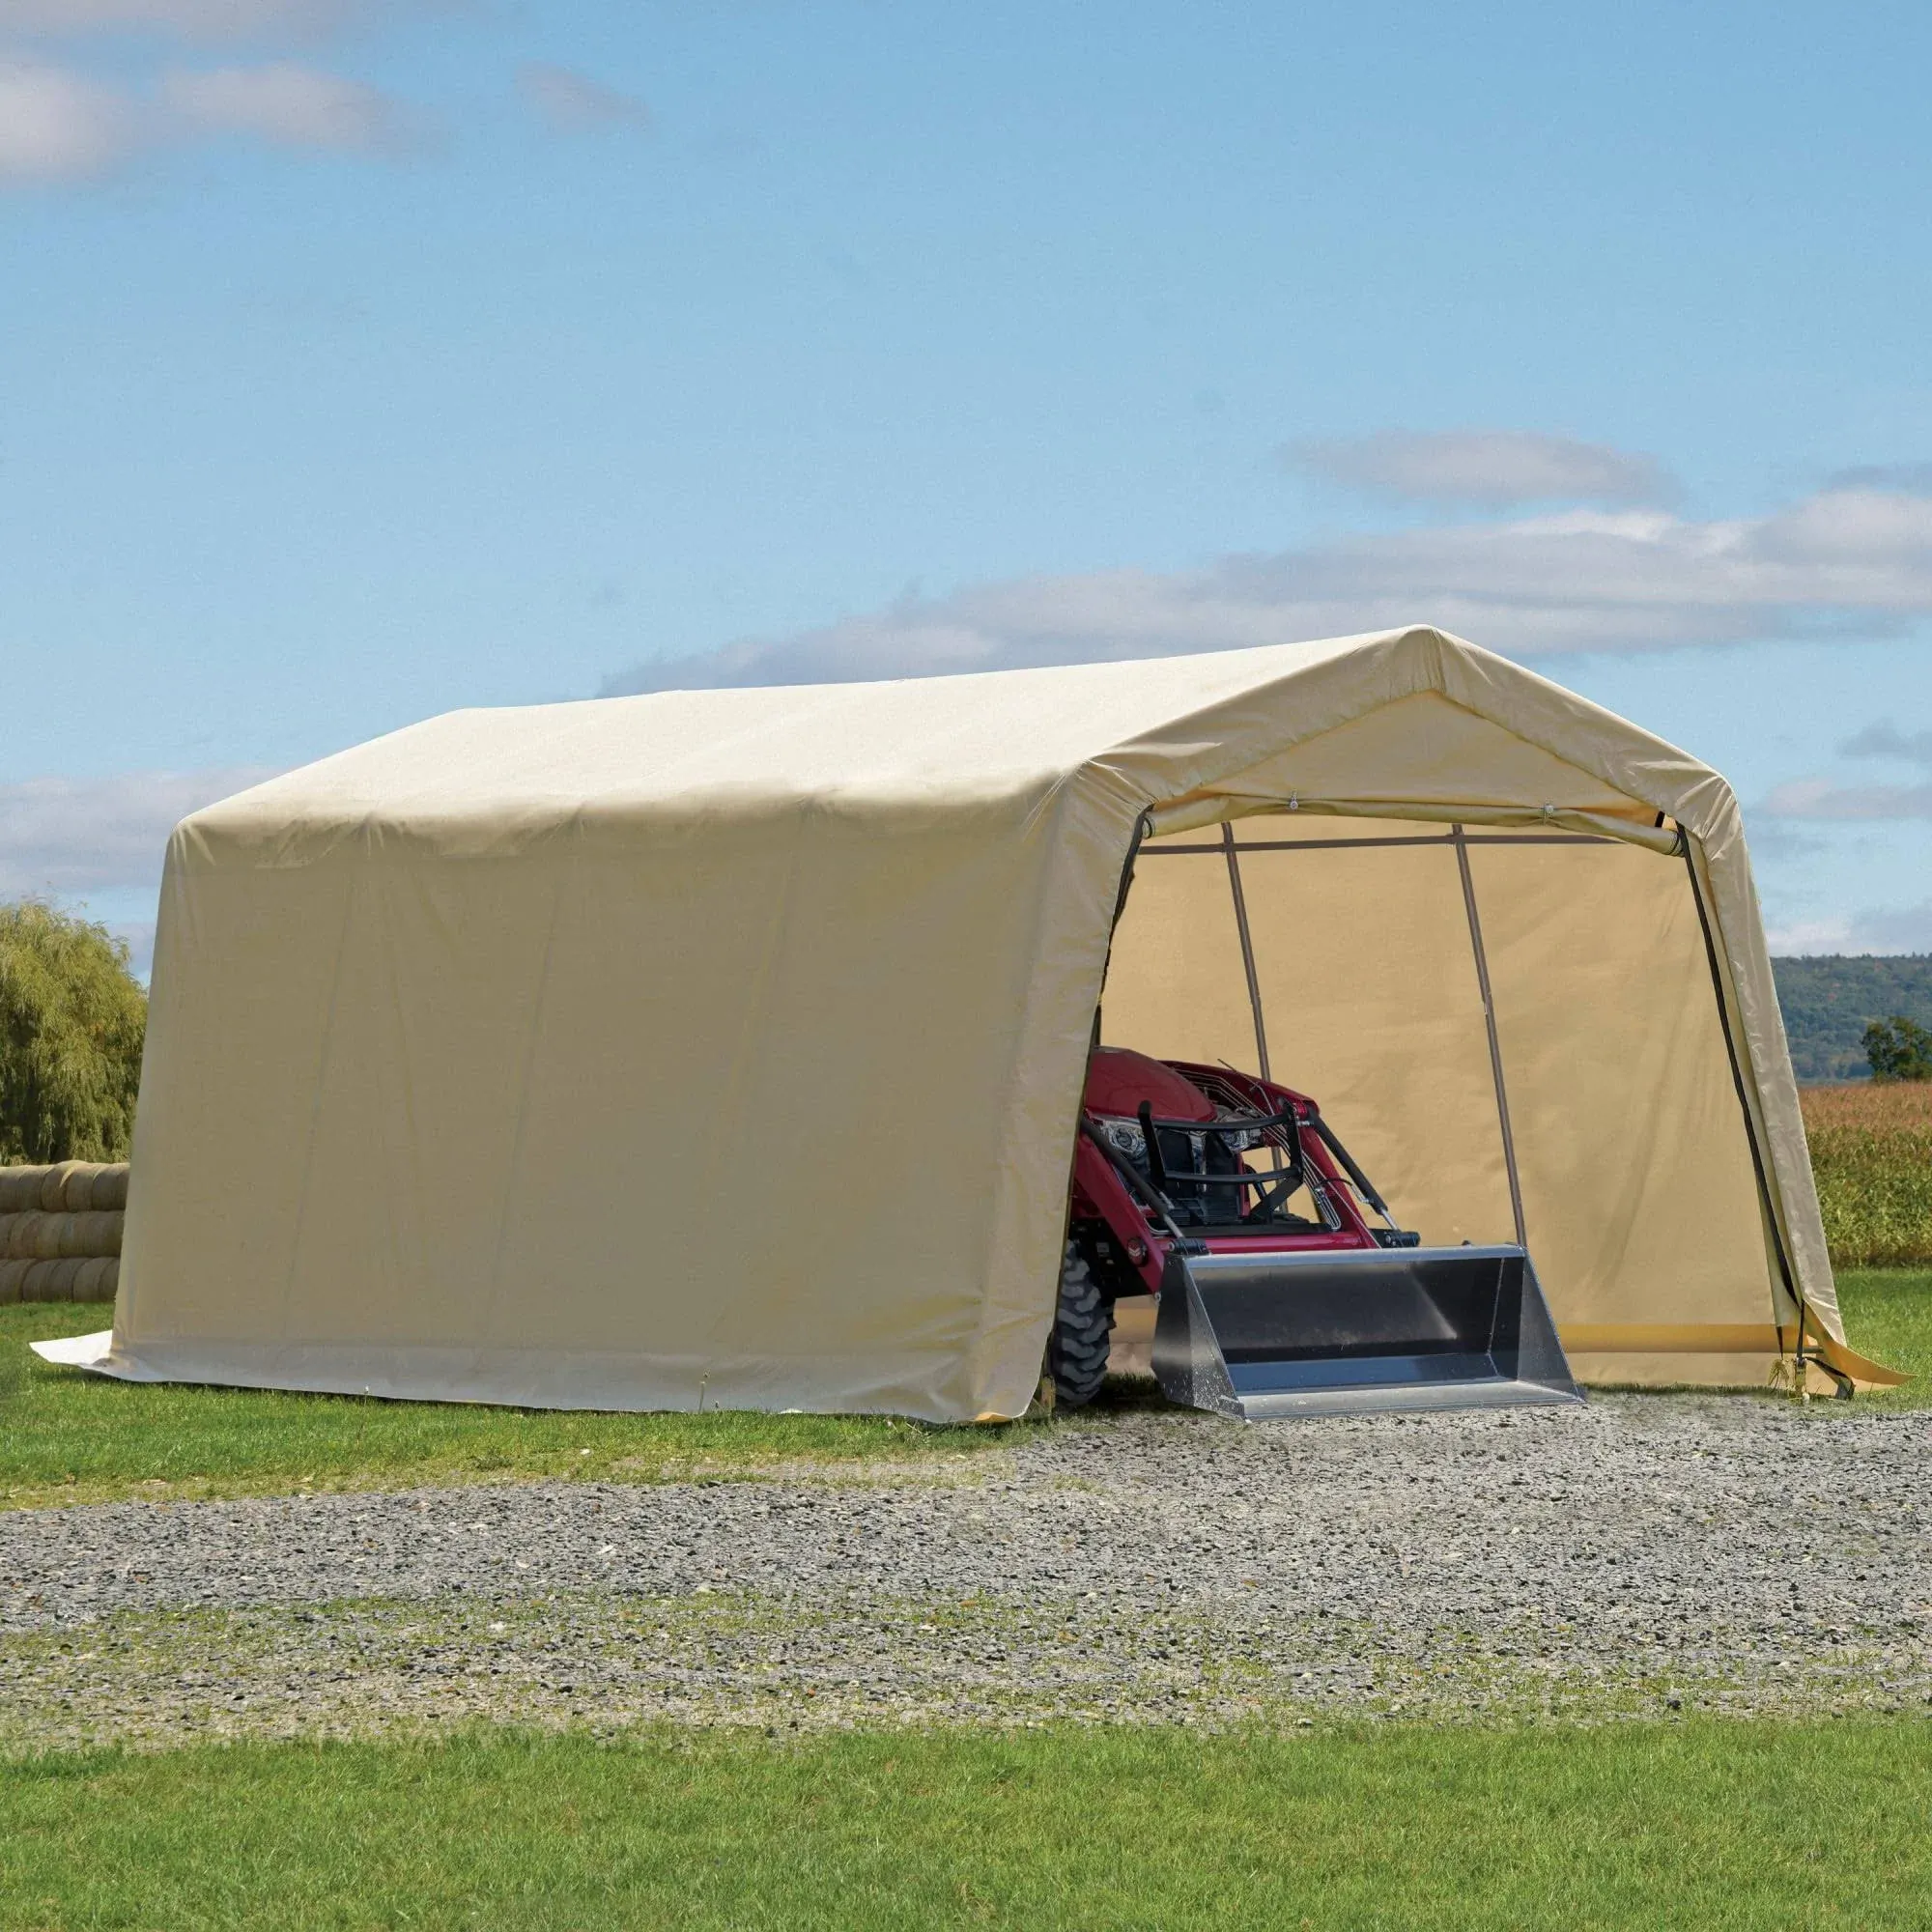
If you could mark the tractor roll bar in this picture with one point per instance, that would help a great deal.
(1289, 1121)
(1151, 1187)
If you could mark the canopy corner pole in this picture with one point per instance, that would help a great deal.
(1143, 826)
(1461, 845)
(1229, 846)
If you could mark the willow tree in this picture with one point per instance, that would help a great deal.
(73, 1018)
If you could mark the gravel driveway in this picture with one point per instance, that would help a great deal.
(1646, 1554)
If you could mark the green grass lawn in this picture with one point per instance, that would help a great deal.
(1698, 1824)
(66, 1437)
(1681, 1822)
(1889, 1317)
(70, 1437)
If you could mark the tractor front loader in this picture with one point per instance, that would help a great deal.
(1231, 1201)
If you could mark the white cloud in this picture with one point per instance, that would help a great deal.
(57, 126)
(187, 20)
(1803, 936)
(1881, 930)
(288, 105)
(573, 104)
(1488, 468)
(1821, 798)
(1887, 741)
(73, 837)
(1580, 580)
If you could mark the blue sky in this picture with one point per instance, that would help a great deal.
(359, 362)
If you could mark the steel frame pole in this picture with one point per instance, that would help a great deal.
(1461, 845)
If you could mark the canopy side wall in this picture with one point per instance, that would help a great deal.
(589, 1125)
(1641, 1195)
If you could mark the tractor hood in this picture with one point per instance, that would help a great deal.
(1118, 1080)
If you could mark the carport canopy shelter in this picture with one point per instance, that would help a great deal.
(725, 1048)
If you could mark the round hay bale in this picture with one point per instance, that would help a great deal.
(75, 1244)
(78, 1185)
(99, 1233)
(11, 1275)
(27, 1182)
(53, 1188)
(110, 1189)
(96, 1279)
(49, 1281)
(86, 1234)
(20, 1189)
(33, 1238)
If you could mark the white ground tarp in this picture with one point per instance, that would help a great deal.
(723, 1048)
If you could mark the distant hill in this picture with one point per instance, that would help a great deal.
(1827, 998)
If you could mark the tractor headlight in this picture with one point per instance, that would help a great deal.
(1126, 1136)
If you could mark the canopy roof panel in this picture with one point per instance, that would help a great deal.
(1166, 727)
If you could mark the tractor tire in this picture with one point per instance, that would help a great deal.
(1083, 1332)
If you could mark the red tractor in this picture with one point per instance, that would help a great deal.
(1232, 1202)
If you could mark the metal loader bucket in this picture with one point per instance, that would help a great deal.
(1261, 1336)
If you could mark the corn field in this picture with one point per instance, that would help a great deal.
(1871, 1149)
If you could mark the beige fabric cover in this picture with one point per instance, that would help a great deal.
(723, 1048)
